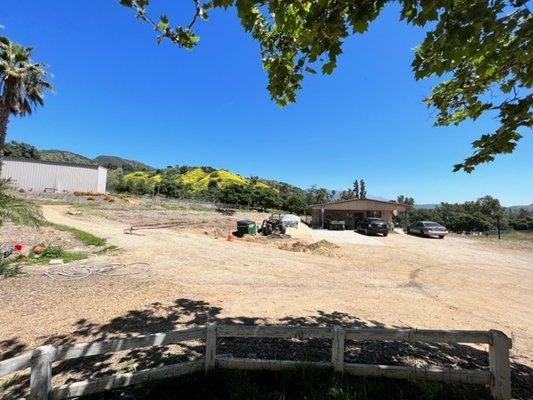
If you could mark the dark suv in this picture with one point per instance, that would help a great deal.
(370, 225)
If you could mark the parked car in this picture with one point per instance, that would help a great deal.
(336, 225)
(428, 228)
(370, 225)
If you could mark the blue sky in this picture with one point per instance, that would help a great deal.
(117, 92)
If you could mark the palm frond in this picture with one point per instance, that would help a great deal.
(22, 82)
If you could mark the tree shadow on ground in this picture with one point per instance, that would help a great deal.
(16, 383)
(10, 348)
(183, 313)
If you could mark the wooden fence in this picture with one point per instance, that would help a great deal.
(498, 376)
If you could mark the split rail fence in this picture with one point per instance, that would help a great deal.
(497, 377)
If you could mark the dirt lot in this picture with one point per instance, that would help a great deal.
(195, 274)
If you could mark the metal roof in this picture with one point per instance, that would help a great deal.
(65, 164)
(349, 200)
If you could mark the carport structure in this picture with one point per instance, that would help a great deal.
(353, 210)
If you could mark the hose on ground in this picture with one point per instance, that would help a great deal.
(82, 271)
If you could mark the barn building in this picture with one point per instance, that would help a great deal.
(53, 177)
(353, 210)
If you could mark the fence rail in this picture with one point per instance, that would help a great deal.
(498, 377)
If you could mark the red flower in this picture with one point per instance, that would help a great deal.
(18, 247)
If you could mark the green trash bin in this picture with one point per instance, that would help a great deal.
(246, 227)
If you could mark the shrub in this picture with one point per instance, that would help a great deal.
(123, 198)
(90, 193)
(9, 271)
(50, 253)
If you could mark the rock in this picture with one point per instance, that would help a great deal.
(56, 261)
(73, 212)
(37, 249)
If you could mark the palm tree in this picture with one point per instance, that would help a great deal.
(22, 85)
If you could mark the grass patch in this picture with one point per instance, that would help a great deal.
(108, 249)
(9, 270)
(201, 208)
(88, 239)
(301, 384)
(510, 236)
(50, 253)
(516, 235)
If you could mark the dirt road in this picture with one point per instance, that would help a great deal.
(454, 283)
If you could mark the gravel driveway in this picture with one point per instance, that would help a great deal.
(346, 237)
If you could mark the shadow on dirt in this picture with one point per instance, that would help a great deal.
(11, 348)
(187, 313)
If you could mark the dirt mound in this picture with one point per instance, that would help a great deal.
(322, 244)
(298, 247)
(217, 232)
(321, 247)
(267, 240)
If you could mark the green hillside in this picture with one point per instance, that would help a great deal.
(199, 179)
(109, 162)
(112, 162)
(196, 179)
(142, 176)
(64, 156)
(221, 185)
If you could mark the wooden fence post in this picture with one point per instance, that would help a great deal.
(41, 373)
(337, 349)
(210, 346)
(499, 365)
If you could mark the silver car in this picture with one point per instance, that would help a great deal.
(428, 228)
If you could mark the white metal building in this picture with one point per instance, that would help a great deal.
(55, 177)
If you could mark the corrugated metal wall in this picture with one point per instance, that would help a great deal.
(38, 176)
(101, 180)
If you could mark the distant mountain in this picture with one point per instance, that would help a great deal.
(515, 209)
(425, 206)
(64, 156)
(112, 162)
(512, 209)
(109, 162)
